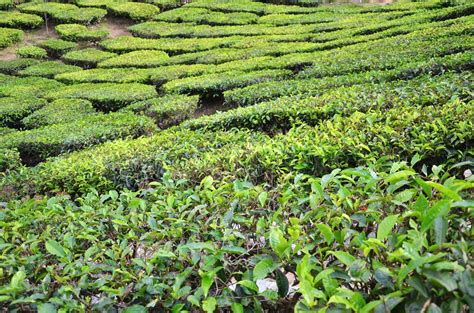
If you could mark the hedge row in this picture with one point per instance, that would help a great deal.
(253, 94)
(11, 67)
(14, 109)
(166, 111)
(141, 58)
(26, 86)
(78, 32)
(19, 20)
(134, 10)
(163, 29)
(38, 144)
(442, 132)
(284, 112)
(57, 47)
(331, 236)
(59, 112)
(88, 57)
(9, 36)
(204, 16)
(214, 84)
(64, 12)
(48, 69)
(32, 52)
(106, 97)
(156, 76)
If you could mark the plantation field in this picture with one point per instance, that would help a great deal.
(236, 156)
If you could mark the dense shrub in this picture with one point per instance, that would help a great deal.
(163, 29)
(142, 58)
(215, 84)
(106, 97)
(32, 52)
(313, 86)
(64, 12)
(9, 36)
(156, 76)
(59, 112)
(34, 86)
(38, 144)
(9, 159)
(19, 20)
(14, 109)
(78, 32)
(134, 10)
(166, 111)
(57, 47)
(88, 57)
(12, 67)
(48, 69)
(328, 100)
(204, 16)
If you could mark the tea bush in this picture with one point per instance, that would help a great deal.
(57, 47)
(88, 57)
(59, 112)
(265, 156)
(48, 69)
(38, 144)
(134, 10)
(204, 16)
(12, 67)
(27, 86)
(106, 97)
(32, 52)
(142, 58)
(215, 84)
(19, 20)
(78, 32)
(9, 36)
(14, 109)
(166, 111)
(64, 12)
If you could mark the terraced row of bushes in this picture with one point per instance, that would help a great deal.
(343, 183)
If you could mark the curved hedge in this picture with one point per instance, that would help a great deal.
(59, 112)
(14, 109)
(166, 111)
(107, 97)
(78, 32)
(9, 36)
(88, 57)
(48, 69)
(38, 144)
(19, 20)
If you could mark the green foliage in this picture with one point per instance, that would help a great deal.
(32, 52)
(106, 97)
(19, 20)
(88, 57)
(214, 84)
(166, 111)
(135, 10)
(14, 109)
(12, 67)
(57, 47)
(64, 12)
(27, 86)
(59, 112)
(204, 16)
(38, 144)
(142, 58)
(332, 172)
(406, 269)
(48, 69)
(9, 36)
(78, 32)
